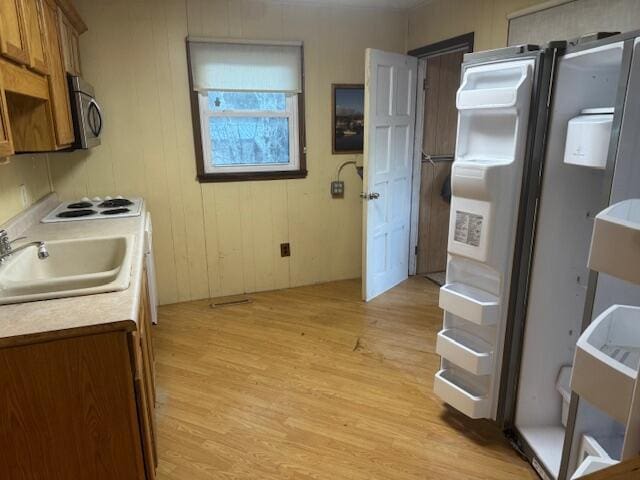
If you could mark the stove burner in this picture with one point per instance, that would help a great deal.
(115, 202)
(115, 211)
(80, 205)
(76, 213)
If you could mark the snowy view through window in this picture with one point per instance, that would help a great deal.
(248, 140)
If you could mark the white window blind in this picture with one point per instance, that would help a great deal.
(245, 67)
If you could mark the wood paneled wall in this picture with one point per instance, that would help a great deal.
(438, 20)
(28, 170)
(222, 239)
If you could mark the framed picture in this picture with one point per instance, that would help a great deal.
(347, 118)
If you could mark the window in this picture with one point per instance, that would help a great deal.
(246, 102)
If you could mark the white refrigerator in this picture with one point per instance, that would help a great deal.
(547, 138)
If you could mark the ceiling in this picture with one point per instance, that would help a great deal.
(399, 4)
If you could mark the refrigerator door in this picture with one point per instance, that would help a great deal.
(496, 100)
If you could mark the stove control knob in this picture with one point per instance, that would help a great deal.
(119, 196)
(85, 199)
(97, 199)
(107, 197)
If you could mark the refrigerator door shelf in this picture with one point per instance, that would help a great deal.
(470, 303)
(458, 393)
(592, 464)
(606, 361)
(465, 350)
(478, 178)
(615, 244)
(494, 86)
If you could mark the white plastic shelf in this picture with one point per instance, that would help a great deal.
(470, 303)
(460, 394)
(591, 465)
(493, 86)
(465, 350)
(606, 361)
(615, 244)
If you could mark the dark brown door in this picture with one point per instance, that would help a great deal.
(438, 144)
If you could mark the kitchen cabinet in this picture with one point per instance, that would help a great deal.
(80, 406)
(6, 143)
(70, 44)
(13, 31)
(36, 37)
(58, 88)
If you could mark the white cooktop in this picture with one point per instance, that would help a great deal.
(96, 208)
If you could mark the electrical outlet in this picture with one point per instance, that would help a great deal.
(337, 189)
(285, 250)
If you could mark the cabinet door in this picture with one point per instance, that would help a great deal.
(145, 382)
(68, 44)
(6, 143)
(58, 88)
(36, 35)
(75, 51)
(13, 31)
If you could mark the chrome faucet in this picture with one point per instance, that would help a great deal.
(6, 249)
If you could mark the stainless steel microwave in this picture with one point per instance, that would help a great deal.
(86, 113)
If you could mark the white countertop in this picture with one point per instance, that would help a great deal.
(36, 321)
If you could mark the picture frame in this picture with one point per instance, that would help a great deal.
(347, 118)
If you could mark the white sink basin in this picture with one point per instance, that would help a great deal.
(74, 267)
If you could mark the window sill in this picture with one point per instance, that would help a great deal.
(250, 176)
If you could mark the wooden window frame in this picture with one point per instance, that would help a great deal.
(206, 177)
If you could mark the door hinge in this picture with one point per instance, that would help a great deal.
(424, 84)
(416, 250)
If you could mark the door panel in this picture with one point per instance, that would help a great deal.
(440, 124)
(390, 96)
(13, 31)
(58, 89)
(35, 32)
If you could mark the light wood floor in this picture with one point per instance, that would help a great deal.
(311, 383)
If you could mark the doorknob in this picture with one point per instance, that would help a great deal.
(370, 196)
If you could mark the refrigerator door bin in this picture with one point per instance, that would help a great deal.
(615, 244)
(494, 86)
(465, 350)
(606, 361)
(470, 303)
(458, 392)
(592, 464)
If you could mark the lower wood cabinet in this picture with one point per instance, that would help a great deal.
(80, 408)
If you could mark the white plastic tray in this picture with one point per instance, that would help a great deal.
(606, 361)
(592, 464)
(615, 244)
(470, 303)
(465, 350)
(458, 393)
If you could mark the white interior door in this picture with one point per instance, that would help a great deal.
(390, 101)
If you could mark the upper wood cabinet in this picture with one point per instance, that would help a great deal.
(70, 44)
(13, 31)
(6, 143)
(58, 88)
(39, 45)
(36, 36)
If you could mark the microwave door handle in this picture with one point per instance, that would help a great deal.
(94, 107)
